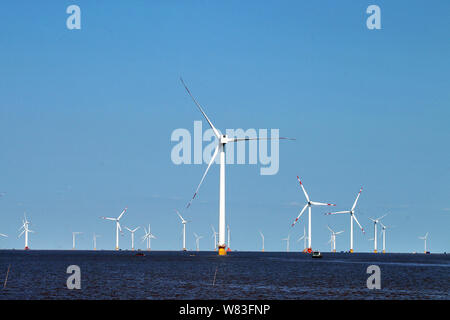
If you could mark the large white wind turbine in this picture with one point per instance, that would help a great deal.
(304, 237)
(308, 205)
(25, 230)
(262, 237)
(184, 222)
(425, 240)
(333, 238)
(375, 238)
(220, 149)
(197, 240)
(287, 242)
(132, 236)
(214, 235)
(95, 240)
(74, 234)
(118, 228)
(352, 217)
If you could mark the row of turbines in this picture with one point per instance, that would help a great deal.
(220, 150)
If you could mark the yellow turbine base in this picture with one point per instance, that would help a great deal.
(117, 248)
(334, 250)
(374, 251)
(351, 250)
(222, 251)
(262, 250)
(384, 251)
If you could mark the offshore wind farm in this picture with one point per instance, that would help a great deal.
(209, 150)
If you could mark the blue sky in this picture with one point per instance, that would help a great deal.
(86, 118)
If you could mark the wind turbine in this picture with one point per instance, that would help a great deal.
(220, 149)
(25, 230)
(148, 236)
(117, 226)
(375, 222)
(215, 237)
(352, 217)
(73, 239)
(197, 240)
(262, 236)
(95, 241)
(184, 222)
(287, 242)
(308, 205)
(383, 231)
(304, 237)
(333, 238)
(132, 236)
(425, 239)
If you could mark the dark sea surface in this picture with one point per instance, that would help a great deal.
(38, 274)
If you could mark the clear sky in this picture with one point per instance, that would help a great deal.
(86, 118)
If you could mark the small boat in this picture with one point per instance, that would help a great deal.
(140, 254)
(316, 254)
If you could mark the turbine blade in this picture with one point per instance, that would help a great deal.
(201, 110)
(123, 212)
(356, 200)
(204, 175)
(322, 204)
(330, 229)
(362, 229)
(182, 220)
(301, 212)
(337, 212)
(112, 219)
(304, 191)
(21, 234)
(247, 139)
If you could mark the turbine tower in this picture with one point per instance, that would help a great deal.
(375, 239)
(117, 226)
(308, 205)
(352, 217)
(425, 241)
(132, 236)
(197, 240)
(148, 236)
(73, 238)
(262, 237)
(215, 237)
(95, 240)
(304, 237)
(25, 230)
(184, 222)
(229, 239)
(333, 238)
(220, 149)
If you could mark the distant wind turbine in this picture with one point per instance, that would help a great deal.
(25, 230)
(132, 236)
(184, 222)
(215, 237)
(308, 205)
(262, 237)
(333, 238)
(197, 240)
(220, 150)
(74, 234)
(117, 226)
(148, 236)
(352, 217)
(425, 241)
(287, 242)
(304, 237)
(375, 239)
(95, 240)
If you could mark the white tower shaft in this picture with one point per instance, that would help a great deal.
(222, 244)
